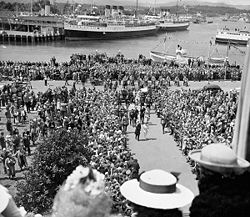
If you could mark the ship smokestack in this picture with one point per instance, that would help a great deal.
(114, 11)
(107, 11)
(47, 8)
(120, 10)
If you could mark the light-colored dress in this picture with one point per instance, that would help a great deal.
(145, 130)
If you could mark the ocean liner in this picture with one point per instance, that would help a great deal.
(112, 26)
(173, 25)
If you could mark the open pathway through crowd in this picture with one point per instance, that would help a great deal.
(160, 151)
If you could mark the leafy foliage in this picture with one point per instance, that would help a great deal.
(53, 161)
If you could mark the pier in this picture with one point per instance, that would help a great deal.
(19, 36)
(31, 29)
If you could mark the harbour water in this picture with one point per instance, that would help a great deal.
(196, 41)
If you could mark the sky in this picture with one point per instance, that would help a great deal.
(232, 2)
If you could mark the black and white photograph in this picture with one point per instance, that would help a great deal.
(124, 108)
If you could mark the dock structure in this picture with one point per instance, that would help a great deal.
(31, 29)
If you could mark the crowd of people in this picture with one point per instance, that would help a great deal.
(102, 114)
(99, 67)
(194, 118)
(197, 118)
(18, 100)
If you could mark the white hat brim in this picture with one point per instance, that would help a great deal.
(240, 165)
(132, 191)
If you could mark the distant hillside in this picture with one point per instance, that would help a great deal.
(204, 3)
(191, 6)
(145, 3)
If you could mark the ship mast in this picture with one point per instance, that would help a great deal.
(136, 8)
(31, 7)
(154, 7)
(228, 47)
(177, 8)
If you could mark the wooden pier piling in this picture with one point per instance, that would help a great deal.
(28, 37)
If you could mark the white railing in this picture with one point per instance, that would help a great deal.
(108, 28)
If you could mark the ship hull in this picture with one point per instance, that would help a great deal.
(167, 58)
(216, 61)
(71, 34)
(233, 41)
(172, 27)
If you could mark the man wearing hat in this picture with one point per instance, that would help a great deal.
(156, 193)
(223, 183)
(10, 165)
(3, 157)
(137, 130)
(2, 141)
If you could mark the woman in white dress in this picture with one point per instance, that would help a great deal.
(145, 129)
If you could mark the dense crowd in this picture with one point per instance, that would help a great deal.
(197, 118)
(99, 68)
(102, 114)
(194, 118)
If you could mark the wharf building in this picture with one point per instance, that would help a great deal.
(32, 28)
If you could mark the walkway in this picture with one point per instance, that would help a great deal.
(161, 152)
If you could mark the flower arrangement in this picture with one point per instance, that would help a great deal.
(82, 195)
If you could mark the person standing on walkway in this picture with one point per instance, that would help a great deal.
(163, 124)
(145, 129)
(26, 143)
(10, 165)
(67, 75)
(21, 158)
(45, 80)
(142, 113)
(125, 123)
(2, 141)
(3, 157)
(137, 130)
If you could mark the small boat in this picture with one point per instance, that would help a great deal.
(179, 58)
(237, 36)
(216, 59)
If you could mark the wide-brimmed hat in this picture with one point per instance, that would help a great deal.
(219, 158)
(157, 189)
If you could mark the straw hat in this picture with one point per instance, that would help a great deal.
(219, 158)
(157, 189)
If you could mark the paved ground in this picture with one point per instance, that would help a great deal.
(160, 151)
